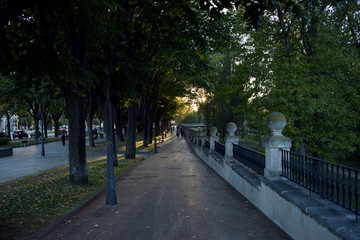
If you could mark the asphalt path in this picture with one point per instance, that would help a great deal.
(171, 195)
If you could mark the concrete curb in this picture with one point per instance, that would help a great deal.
(81, 206)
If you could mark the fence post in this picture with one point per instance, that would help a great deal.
(213, 138)
(276, 122)
(230, 140)
(201, 138)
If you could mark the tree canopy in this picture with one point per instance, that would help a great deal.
(138, 58)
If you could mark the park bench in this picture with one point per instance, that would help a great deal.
(24, 143)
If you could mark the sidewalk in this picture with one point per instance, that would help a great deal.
(171, 195)
(28, 160)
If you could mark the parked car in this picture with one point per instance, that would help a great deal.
(3, 134)
(32, 133)
(20, 134)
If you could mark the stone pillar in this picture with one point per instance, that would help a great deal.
(213, 138)
(203, 141)
(276, 122)
(230, 139)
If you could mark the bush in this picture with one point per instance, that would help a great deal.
(4, 140)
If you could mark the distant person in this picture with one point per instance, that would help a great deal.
(63, 138)
(178, 132)
(95, 134)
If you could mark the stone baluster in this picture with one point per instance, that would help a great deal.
(203, 141)
(276, 122)
(198, 138)
(213, 138)
(230, 140)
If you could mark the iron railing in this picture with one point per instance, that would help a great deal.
(207, 144)
(250, 158)
(219, 148)
(337, 183)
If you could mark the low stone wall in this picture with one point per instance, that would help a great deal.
(292, 208)
(4, 152)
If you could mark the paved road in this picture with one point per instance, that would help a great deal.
(172, 195)
(28, 160)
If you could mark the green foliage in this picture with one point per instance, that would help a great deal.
(192, 117)
(4, 140)
(303, 60)
(303, 63)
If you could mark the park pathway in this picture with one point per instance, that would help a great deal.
(171, 195)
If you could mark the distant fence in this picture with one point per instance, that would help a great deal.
(334, 182)
(250, 158)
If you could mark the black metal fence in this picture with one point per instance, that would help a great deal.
(250, 158)
(219, 148)
(207, 144)
(337, 183)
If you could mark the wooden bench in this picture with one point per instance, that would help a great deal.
(24, 143)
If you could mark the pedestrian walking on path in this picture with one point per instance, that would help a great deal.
(170, 195)
(178, 131)
(63, 139)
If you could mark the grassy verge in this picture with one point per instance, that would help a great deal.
(33, 202)
(30, 142)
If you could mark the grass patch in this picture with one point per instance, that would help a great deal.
(31, 203)
(16, 144)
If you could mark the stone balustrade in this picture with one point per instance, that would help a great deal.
(299, 214)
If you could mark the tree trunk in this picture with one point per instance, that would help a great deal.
(145, 122)
(56, 124)
(77, 152)
(242, 126)
(8, 116)
(150, 129)
(114, 151)
(302, 148)
(130, 152)
(36, 120)
(45, 126)
(119, 125)
(89, 120)
(75, 105)
(110, 176)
